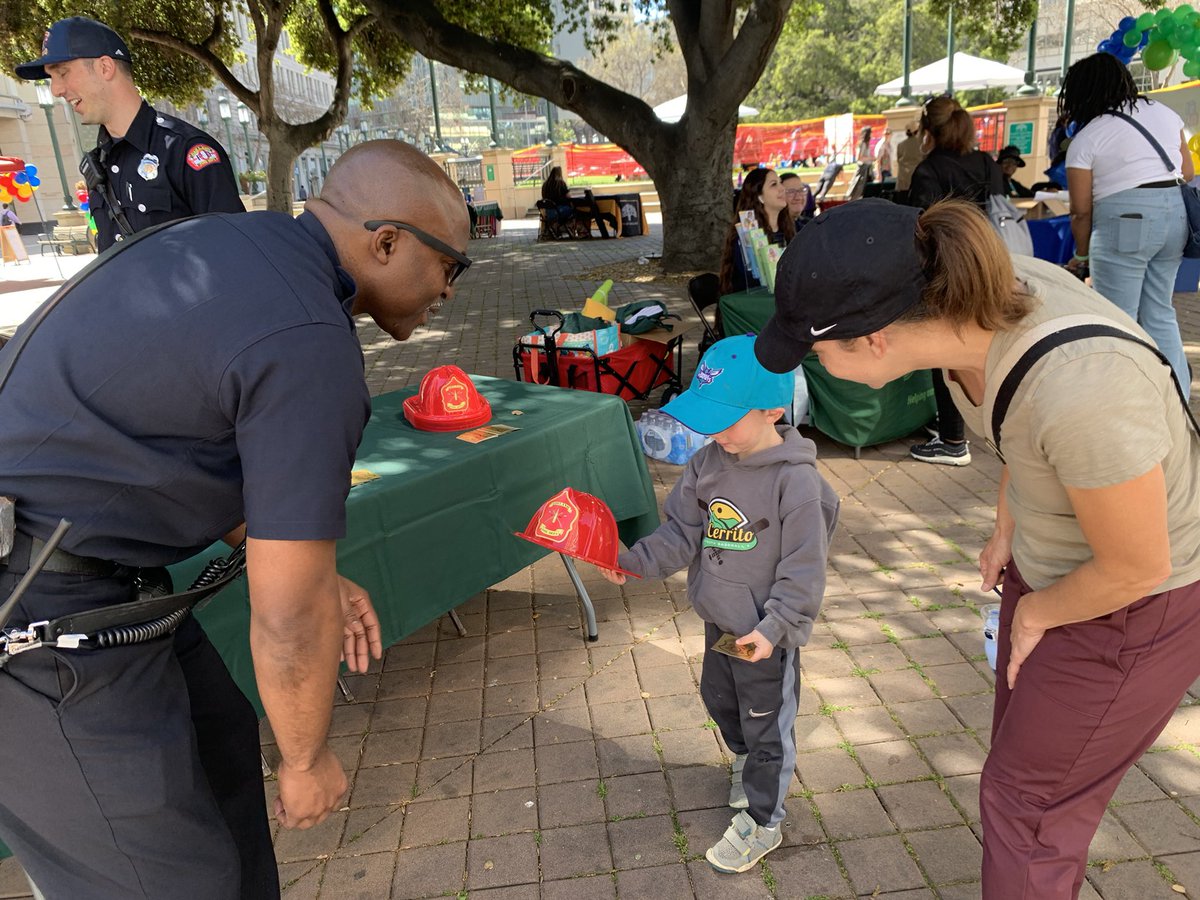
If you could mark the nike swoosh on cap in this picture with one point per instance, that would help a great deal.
(817, 332)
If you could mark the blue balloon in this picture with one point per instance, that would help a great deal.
(20, 178)
(1072, 127)
(31, 170)
(1127, 24)
(1145, 39)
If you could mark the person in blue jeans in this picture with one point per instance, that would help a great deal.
(751, 519)
(1127, 212)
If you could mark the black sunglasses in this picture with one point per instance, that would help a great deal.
(461, 263)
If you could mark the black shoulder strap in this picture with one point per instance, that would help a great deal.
(1008, 387)
(14, 347)
(1148, 136)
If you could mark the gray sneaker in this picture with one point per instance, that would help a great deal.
(737, 793)
(744, 843)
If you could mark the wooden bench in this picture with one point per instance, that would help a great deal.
(74, 238)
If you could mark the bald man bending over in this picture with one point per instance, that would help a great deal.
(159, 411)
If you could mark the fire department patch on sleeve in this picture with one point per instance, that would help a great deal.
(202, 155)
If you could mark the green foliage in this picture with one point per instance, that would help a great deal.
(381, 59)
(832, 54)
(157, 70)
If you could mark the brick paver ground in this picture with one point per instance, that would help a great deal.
(520, 762)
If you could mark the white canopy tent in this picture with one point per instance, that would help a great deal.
(672, 110)
(970, 73)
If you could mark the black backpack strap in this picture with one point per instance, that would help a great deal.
(1008, 387)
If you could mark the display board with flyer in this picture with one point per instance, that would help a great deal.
(759, 255)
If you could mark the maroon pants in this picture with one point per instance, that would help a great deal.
(1089, 700)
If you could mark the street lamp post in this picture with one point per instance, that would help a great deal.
(226, 114)
(1029, 88)
(906, 89)
(1068, 37)
(492, 112)
(243, 114)
(46, 102)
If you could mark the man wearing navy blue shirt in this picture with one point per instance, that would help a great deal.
(203, 377)
(159, 168)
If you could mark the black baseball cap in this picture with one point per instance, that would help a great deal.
(848, 273)
(74, 38)
(1011, 152)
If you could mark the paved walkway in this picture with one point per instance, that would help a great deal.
(520, 762)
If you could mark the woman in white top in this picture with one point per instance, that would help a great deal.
(1127, 212)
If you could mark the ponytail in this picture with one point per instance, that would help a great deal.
(969, 269)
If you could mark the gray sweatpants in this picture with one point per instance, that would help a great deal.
(755, 705)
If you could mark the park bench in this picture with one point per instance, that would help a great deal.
(76, 239)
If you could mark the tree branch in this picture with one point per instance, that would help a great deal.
(203, 54)
(614, 112)
(743, 62)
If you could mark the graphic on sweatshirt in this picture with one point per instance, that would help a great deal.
(728, 527)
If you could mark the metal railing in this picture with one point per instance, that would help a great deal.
(529, 171)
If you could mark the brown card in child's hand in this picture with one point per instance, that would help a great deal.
(728, 645)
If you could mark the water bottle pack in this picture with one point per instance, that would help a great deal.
(663, 437)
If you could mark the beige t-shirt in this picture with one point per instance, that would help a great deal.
(1091, 413)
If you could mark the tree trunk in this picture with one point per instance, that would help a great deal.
(281, 161)
(691, 171)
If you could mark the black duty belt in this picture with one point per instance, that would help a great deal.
(26, 549)
(1173, 182)
(144, 619)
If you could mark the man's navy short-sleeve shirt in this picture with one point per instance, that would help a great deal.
(205, 376)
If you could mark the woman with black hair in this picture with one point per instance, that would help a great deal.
(762, 192)
(1127, 212)
(556, 202)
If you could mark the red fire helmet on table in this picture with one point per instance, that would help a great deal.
(447, 401)
(578, 525)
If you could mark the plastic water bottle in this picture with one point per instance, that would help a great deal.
(991, 632)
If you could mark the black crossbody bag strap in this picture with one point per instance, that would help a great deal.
(1008, 387)
(17, 344)
(1148, 136)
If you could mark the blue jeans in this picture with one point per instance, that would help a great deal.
(1137, 242)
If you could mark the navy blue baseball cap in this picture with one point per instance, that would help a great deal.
(846, 274)
(729, 382)
(74, 38)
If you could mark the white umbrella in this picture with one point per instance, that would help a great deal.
(672, 110)
(970, 73)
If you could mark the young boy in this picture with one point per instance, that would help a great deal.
(751, 518)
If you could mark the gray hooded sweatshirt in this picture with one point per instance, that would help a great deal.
(754, 534)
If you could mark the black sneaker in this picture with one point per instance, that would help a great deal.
(937, 451)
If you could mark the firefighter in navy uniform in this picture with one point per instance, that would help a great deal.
(155, 428)
(147, 167)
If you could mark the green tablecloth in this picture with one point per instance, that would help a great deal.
(847, 411)
(437, 526)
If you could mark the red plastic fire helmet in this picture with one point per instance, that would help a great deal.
(579, 525)
(447, 401)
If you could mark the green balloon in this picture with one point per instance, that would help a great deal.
(1132, 38)
(1184, 12)
(1157, 55)
(1164, 29)
(1191, 68)
(1145, 20)
(1161, 15)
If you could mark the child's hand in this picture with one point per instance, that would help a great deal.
(611, 576)
(762, 647)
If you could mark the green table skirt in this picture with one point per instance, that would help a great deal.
(437, 526)
(849, 412)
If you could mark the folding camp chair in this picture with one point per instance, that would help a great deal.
(704, 292)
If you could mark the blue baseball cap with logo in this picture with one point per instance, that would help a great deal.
(729, 382)
(75, 38)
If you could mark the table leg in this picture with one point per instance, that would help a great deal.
(588, 610)
(457, 622)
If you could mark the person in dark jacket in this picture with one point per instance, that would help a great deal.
(952, 167)
(1010, 160)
